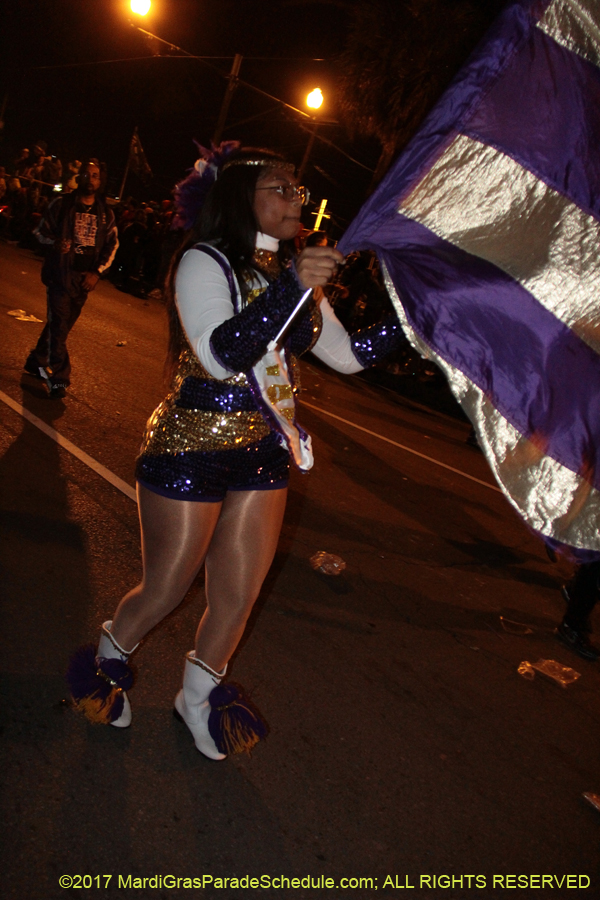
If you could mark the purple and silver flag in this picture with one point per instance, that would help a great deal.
(488, 231)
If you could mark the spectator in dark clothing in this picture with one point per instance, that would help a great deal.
(15, 201)
(70, 182)
(128, 262)
(33, 173)
(581, 595)
(80, 235)
(22, 163)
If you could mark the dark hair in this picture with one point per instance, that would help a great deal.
(227, 220)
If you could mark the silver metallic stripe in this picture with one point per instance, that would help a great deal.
(576, 25)
(552, 499)
(484, 202)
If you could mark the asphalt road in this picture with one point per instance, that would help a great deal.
(404, 744)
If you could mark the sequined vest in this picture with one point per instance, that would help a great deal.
(203, 413)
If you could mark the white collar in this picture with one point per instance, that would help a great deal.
(266, 242)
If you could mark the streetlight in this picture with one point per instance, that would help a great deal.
(140, 7)
(313, 101)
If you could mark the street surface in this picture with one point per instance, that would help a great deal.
(403, 742)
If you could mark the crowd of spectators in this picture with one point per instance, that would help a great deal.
(146, 243)
(27, 188)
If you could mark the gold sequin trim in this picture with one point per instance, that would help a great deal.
(294, 370)
(268, 262)
(253, 294)
(277, 392)
(173, 429)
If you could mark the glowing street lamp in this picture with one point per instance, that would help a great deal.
(315, 99)
(140, 7)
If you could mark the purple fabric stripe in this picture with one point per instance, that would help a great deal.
(215, 396)
(511, 30)
(553, 127)
(227, 271)
(540, 376)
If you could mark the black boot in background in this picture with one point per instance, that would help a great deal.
(581, 595)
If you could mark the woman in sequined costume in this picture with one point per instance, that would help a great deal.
(213, 470)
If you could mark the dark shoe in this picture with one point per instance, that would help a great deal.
(578, 641)
(34, 371)
(57, 391)
(576, 607)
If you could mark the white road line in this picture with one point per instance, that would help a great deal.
(71, 448)
(430, 459)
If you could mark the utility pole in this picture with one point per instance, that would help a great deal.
(231, 87)
(126, 172)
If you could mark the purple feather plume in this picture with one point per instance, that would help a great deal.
(191, 193)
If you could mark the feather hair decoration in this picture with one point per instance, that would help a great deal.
(191, 192)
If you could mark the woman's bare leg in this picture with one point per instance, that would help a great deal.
(238, 559)
(176, 535)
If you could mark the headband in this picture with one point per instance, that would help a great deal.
(265, 163)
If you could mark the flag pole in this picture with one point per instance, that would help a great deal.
(126, 172)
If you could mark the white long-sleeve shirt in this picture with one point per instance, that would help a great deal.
(204, 302)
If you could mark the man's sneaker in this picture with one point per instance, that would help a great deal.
(35, 371)
(57, 391)
(578, 641)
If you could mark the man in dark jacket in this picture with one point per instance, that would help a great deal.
(80, 235)
(581, 595)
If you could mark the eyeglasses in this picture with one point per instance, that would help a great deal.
(290, 192)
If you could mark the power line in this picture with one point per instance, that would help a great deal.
(105, 62)
(185, 54)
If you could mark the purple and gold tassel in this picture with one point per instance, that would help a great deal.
(97, 685)
(234, 723)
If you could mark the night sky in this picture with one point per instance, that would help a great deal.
(59, 88)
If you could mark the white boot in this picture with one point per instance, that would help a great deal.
(109, 649)
(192, 706)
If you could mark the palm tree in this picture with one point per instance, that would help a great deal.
(399, 57)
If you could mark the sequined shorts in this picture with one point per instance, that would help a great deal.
(208, 475)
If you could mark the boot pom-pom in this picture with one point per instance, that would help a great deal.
(234, 723)
(97, 685)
